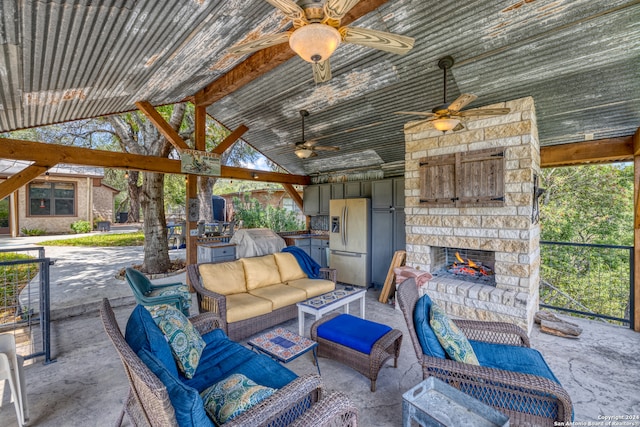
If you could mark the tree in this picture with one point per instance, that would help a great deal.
(138, 135)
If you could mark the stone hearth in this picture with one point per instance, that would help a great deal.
(506, 231)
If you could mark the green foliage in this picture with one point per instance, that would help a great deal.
(254, 215)
(592, 205)
(32, 231)
(16, 277)
(81, 226)
(100, 240)
(588, 204)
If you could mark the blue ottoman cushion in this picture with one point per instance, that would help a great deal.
(353, 332)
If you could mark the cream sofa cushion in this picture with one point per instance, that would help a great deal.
(288, 267)
(245, 306)
(260, 271)
(225, 278)
(313, 287)
(280, 295)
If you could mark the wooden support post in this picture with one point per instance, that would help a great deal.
(636, 232)
(192, 184)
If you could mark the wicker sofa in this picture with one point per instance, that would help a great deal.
(159, 398)
(511, 377)
(253, 294)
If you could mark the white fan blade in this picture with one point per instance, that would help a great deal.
(415, 113)
(326, 148)
(336, 9)
(291, 10)
(259, 44)
(381, 40)
(484, 112)
(321, 71)
(462, 101)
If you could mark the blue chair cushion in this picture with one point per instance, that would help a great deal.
(353, 332)
(143, 333)
(427, 338)
(223, 357)
(512, 358)
(186, 401)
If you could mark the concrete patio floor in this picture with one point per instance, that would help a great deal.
(86, 385)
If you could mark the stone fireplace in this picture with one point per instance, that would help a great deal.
(500, 234)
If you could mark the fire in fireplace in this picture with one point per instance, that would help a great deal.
(464, 264)
(468, 268)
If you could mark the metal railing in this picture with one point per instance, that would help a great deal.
(25, 300)
(588, 280)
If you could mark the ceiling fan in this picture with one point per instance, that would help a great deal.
(317, 33)
(447, 116)
(306, 149)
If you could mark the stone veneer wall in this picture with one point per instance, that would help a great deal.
(507, 230)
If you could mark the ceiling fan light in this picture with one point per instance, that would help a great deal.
(315, 42)
(304, 153)
(445, 124)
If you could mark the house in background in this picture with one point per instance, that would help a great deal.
(277, 198)
(54, 201)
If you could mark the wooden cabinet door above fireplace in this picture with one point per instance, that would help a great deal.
(474, 178)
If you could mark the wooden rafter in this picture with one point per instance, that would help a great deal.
(266, 60)
(21, 178)
(51, 154)
(579, 153)
(162, 125)
(229, 140)
(294, 195)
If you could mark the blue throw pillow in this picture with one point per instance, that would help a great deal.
(232, 396)
(143, 333)
(185, 400)
(451, 338)
(185, 341)
(427, 338)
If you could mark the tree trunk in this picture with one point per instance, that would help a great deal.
(134, 197)
(205, 189)
(156, 254)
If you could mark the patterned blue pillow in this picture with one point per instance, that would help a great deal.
(185, 341)
(454, 342)
(232, 396)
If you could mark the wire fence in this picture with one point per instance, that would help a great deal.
(25, 300)
(588, 280)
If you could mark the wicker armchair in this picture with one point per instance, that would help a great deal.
(298, 403)
(504, 390)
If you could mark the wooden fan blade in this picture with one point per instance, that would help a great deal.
(416, 113)
(484, 112)
(259, 44)
(321, 71)
(325, 148)
(291, 10)
(462, 101)
(458, 127)
(381, 40)
(336, 9)
(419, 123)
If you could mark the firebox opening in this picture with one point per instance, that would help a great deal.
(469, 265)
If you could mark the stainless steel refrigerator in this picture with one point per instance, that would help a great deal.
(349, 240)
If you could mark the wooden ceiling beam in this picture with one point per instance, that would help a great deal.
(579, 153)
(266, 60)
(26, 175)
(51, 154)
(229, 140)
(159, 122)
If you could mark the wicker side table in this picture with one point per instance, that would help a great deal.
(385, 348)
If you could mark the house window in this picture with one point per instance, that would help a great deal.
(52, 199)
(290, 205)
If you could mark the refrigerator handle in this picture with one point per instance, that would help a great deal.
(346, 218)
(342, 231)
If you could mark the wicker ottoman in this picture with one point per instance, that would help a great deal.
(358, 343)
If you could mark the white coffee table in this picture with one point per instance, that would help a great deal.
(322, 304)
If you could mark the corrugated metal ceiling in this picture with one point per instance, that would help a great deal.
(70, 59)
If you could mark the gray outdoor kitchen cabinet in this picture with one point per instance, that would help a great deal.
(315, 199)
(387, 226)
